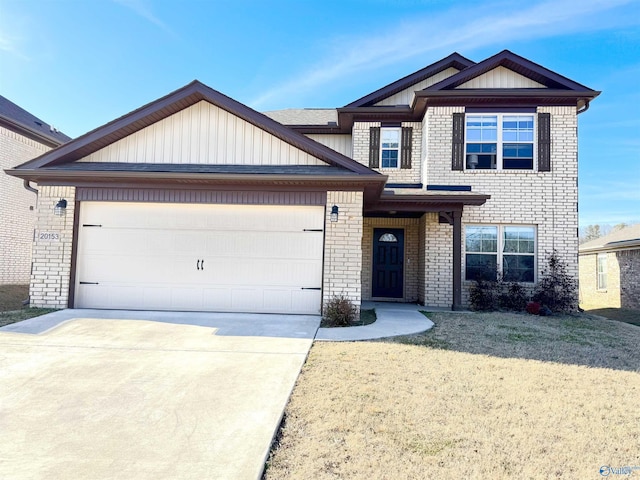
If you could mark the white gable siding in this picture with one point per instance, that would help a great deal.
(203, 134)
(405, 97)
(501, 77)
(340, 143)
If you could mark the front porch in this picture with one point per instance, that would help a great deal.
(412, 248)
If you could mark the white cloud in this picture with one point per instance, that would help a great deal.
(456, 29)
(144, 10)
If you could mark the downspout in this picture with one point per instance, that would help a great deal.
(29, 187)
(34, 190)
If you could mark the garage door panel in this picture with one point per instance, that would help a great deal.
(254, 258)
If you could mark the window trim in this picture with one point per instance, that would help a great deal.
(500, 248)
(601, 285)
(398, 150)
(500, 142)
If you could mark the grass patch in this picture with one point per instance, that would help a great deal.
(12, 296)
(367, 317)
(7, 318)
(11, 309)
(626, 315)
(511, 396)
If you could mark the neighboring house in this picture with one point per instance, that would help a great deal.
(197, 202)
(22, 137)
(610, 270)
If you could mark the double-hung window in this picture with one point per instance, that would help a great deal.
(389, 147)
(493, 249)
(602, 271)
(499, 141)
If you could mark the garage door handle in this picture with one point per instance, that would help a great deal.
(198, 265)
(201, 264)
(310, 288)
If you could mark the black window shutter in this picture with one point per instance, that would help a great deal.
(405, 147)
(544, 142)
(457, 156)
(374, 147)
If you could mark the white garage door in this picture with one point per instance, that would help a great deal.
(235, 258)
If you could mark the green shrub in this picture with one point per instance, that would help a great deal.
(556, 290)
(513, 297)
(483, 295)
(339, 312)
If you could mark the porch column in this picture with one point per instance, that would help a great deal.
(457, 260)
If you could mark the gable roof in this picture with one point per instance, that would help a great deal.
(166, 106)
(454, 60)
(17, 118)
(513, 62)
(628, 237)
(558, 90)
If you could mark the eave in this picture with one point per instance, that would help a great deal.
(389, 203)
(372, 185)
(348, 115)
(525, 97)
(29, 132)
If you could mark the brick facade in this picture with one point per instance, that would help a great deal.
(360, 138)
(52, 249)
(343, 248)
(547, 200)
(17, 208)
(623, 280)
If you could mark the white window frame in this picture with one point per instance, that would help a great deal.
(500, 253)
(398, 130)
(499, 142)
(601, 273)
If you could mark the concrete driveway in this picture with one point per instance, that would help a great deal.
(138, 398)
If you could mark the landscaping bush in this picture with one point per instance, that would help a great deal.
(513, 297)
(556, 290)
(483, 295)
(339, 312)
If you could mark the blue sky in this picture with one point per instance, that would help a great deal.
(80, 63)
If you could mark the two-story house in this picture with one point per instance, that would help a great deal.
(197, 202)
(23, 136)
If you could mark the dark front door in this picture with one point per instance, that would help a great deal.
(388, 262)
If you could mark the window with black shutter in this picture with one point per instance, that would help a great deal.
(374, 147)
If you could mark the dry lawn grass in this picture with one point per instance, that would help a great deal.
(621, 314)
(480, 396)
(11, 296)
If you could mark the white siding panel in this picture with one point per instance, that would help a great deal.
(203, 134)
(501, 77)
(340, 143)
(405, 97)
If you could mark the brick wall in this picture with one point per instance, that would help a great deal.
(437, 242)
(623, 280)
(412, 271)
(629, 262)
(343, 247)
(51, 254)
(547, 200)
(17, 208)
(396, 175)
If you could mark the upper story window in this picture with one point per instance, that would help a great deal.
(499, 142)
(389, 147)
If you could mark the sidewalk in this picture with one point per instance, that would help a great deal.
(393, 319)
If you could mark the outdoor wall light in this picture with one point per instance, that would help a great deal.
(334, 213)
(60, 208)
